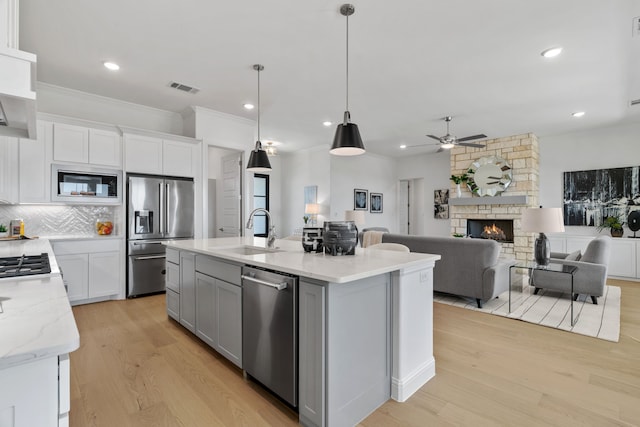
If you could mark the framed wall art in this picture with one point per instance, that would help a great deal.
(376, 203)
(441, 204)
(591, 196)
(360, 199)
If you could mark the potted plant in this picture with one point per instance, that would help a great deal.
(614, 224)
(457, 180)
(3, 231)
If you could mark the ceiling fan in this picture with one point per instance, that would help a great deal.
(449, 141)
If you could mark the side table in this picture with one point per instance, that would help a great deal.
(530, 266)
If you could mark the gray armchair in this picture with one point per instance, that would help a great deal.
(590, 277)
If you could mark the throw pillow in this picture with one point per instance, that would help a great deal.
(573, 256)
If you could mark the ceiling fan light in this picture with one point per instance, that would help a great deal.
(347, 141)
(447, 145)
(259, 160)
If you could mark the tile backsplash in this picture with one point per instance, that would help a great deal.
(50, 220)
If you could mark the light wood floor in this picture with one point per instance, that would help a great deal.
(137, 368)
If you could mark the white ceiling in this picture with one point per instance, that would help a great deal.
(411, 63)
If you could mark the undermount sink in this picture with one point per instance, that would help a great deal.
(250, 250)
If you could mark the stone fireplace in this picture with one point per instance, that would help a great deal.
(522, 154)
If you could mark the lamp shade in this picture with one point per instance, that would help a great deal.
(543, 220)
(259, 160)
(312, 208)
(356, 216)
(347, 141)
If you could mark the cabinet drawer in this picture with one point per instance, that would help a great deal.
(173, 277)
(173, 305)
(221, 270)
(173, 255)
(85, 246)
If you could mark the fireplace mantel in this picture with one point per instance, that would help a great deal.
(497, 200)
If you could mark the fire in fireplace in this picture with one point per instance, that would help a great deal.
(500, 230)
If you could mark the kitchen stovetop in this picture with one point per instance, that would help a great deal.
(25, 265)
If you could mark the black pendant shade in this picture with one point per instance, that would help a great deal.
(347, 141)
(259, 160)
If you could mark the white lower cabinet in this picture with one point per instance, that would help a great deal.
(91, 269)
(188, 290)
(219, 307)
(205, 295)
(173, 284)
(36, 393)
(624, 261)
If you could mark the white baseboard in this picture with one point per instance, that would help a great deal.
(402, 389)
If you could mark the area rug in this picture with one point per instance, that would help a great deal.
(553, 309)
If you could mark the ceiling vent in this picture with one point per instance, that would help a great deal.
(184, 88)
(635, 102)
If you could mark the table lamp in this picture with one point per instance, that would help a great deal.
(542, 220)
(356, 216)
(312, 209)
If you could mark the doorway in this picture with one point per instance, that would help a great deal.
(411, 206)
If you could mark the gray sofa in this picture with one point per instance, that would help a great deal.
(469, 267)
(591, 276)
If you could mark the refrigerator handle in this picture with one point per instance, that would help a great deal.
(166, 207)
(162, 212)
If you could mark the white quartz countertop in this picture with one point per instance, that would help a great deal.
(11, 248)
(36, 319)
(291, 258)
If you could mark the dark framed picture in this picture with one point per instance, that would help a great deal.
(360, 199)
(376, 203)
(441, 204)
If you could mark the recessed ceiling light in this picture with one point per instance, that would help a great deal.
(403, 146)
(551, 52)
(248, 106)
(578, 114)
(327, 123)
(111, 66)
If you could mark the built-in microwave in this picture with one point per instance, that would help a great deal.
(84, 184)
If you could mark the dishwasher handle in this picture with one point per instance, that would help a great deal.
(279, 286)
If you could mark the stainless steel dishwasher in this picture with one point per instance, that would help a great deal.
(270, 330)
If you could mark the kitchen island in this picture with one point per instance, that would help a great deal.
(365, 321)
(37, 333)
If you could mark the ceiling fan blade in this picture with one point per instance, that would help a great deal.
(434, 137)
(470, 144)
(440, 150)
(469, 138)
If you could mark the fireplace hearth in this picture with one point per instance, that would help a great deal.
(500, 230)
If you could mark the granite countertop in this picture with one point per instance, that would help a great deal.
(292, 259)
(36, 320)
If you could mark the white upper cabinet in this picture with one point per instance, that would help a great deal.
(158, 156)
(79, 144)
(35, 166)
(8, 169)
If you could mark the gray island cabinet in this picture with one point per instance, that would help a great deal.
(365, 322)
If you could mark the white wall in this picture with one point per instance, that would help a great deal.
(72, 103)
(301, 169)
(370, 172)
(601, 148)
(435, 169)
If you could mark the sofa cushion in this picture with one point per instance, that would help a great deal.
(574, 256)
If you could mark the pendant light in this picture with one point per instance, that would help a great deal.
(258, 160)
(347, 141)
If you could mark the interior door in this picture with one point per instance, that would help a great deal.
(231, 196)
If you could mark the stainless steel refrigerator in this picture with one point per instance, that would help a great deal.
(158, 209)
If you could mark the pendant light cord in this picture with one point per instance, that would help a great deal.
(258, 103)
(347, 62)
